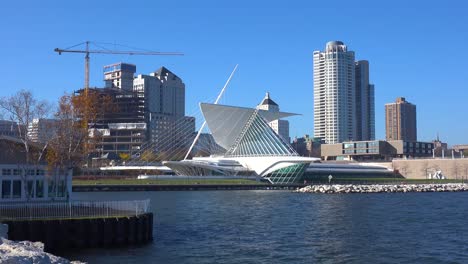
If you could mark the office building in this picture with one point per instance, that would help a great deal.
(343, 96)
(281, 127)
(42, 130)
(376, 150)
(169, 130)
(9, 128)
(400, 120)
(365, 111)
(307, 146)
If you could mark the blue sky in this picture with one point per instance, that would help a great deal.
(417, 50)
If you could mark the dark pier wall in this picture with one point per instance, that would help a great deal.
(66, 234)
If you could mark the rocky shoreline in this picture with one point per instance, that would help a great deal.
(383, 188)
(27, 252)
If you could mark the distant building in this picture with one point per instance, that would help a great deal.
(169, 130)
(9, 128)
(343, 96)
(119, 75)
(376, 150)
(306, 146)
(400, 120)
(42, 130)
(440, 148)
(206, 146)
(281, 127)
(365, 110)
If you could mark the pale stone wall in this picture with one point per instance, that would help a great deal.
(420, 168)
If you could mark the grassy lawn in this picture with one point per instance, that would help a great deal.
(181, 181)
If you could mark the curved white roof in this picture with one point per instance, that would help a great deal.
(227, 122)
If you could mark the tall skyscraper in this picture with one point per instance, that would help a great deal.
(364, 102)
(343, 97)
(281, 127)
(400, 120)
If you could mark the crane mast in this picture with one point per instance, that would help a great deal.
(86, 82)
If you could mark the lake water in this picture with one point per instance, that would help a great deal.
(286, 227)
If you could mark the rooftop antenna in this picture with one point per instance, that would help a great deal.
(216, 102)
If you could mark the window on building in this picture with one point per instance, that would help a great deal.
(16, 189)
(40, 189)
(30, 188)
(373, 150)
(348, 145)
(6, 189)
(6, 171)
(349, 151)
(51, 190)
(61, 189)
(361, 145)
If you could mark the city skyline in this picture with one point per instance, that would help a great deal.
(273, 46)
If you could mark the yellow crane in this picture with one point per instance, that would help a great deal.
(87, 51)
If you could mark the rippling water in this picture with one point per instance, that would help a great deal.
(285, 227)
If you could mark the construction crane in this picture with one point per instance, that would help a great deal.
(87, 51)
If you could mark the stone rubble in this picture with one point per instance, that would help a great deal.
(383, 188)
(26, 252)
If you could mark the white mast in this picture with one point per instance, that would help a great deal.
(216, 102)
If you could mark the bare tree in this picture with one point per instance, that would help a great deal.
(22, 108)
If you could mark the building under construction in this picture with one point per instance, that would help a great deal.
(119, 125)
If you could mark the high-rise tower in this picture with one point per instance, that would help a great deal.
(400, 120)
(334, 93)
(365, 118)
(343, 97)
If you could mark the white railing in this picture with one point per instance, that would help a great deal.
(74, 209)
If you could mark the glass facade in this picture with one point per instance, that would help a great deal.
(290, 174)
(259, 139)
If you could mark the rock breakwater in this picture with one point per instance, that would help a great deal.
(27, 252)
(384, 188)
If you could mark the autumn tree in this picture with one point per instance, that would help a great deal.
(77, 133)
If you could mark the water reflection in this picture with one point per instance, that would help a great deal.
(285, 227)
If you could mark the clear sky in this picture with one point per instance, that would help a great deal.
(416, 49)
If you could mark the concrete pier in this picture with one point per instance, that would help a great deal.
(65, 234)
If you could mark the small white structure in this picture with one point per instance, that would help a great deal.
(33, 183)
(23, 180)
